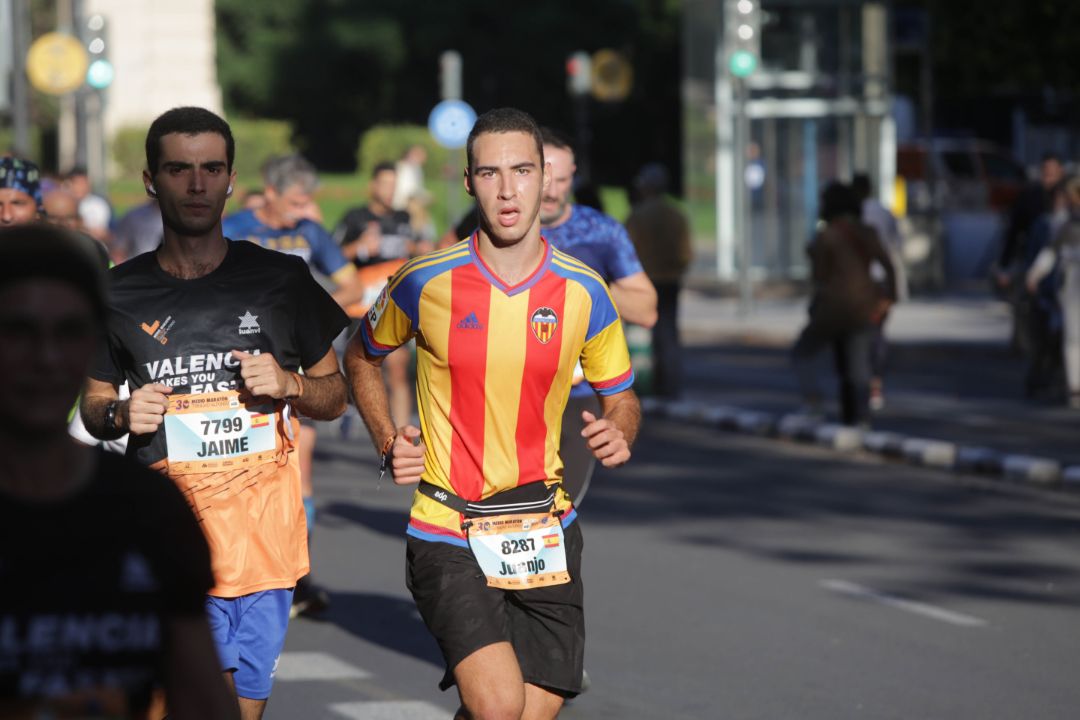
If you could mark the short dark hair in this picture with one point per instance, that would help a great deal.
(556, 139)
(504, 120)
(838, 200)
(862, 186)
(186, 121)
(382, 167)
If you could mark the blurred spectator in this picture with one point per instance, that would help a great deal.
(877, 216)
(423, 226)
(1042, 321)
(1032, 203)
(94, 210)
(253, 199)
(61, 208)
(845, 304)
(72, 516)
(20, 191)
(661, 236)
(139, 231)
(1060, 262)
(376, 232)
(410, 176)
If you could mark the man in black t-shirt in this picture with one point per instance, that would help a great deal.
(211, 335)
(104, 569)
(379, 239)
(376, 232)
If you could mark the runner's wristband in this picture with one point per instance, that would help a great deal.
(387, 453)
(387, 457)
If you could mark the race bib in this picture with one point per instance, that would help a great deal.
(213, 432)
(520, 552)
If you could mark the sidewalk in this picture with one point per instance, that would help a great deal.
(952, 380)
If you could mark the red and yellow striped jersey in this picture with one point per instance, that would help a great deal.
(494, 368)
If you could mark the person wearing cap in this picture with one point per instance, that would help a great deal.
(106, 566)
(661, 234)
(20, 191)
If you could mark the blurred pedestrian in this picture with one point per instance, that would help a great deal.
(20, 191)
(845, 304)
(1036, 200)
(410, 176)
(104, 565)
(95, 211)
(139, 231)
(877, 216)
(661, 236)
(1059, 263)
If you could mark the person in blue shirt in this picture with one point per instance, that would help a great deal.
(284, 223)
(600, 242)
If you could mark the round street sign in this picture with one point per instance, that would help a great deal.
(56, 64)
(450, 123)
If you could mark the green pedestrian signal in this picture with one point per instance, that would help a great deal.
(742, 63)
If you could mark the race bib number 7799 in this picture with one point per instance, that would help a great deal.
(212, 432)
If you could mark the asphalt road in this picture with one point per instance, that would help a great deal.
(732, 577)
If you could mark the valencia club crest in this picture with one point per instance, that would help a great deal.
(544, 321)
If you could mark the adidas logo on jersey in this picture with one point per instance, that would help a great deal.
(471, 322)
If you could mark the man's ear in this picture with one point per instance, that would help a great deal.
(468, 183)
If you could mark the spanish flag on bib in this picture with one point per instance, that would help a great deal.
(494, 368)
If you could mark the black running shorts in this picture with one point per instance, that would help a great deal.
(546, 626)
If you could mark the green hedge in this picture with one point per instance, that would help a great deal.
(256, 140)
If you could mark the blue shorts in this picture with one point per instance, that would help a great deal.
(249, 632)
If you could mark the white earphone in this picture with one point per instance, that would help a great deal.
(151, 190)
(228, 192)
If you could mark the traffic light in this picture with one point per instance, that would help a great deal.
(579, 73)
(100, 73)
(742, 20)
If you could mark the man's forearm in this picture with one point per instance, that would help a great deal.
(323, 398)
(92, 411)
(369, 394)
(625, 413)
(635, 299)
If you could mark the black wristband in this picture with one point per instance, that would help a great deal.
(110, 415)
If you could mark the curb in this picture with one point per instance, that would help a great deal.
(925, 452)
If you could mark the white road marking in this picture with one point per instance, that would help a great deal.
(844, 587)
(390, 710)
(315, 666)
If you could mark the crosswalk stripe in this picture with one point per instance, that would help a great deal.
(390, 710)
(315, 666)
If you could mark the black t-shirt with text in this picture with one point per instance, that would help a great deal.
(162, 329)
(90, 582)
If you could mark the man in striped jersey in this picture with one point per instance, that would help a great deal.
(494, 552)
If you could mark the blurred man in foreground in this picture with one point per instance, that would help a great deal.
(105, 567)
